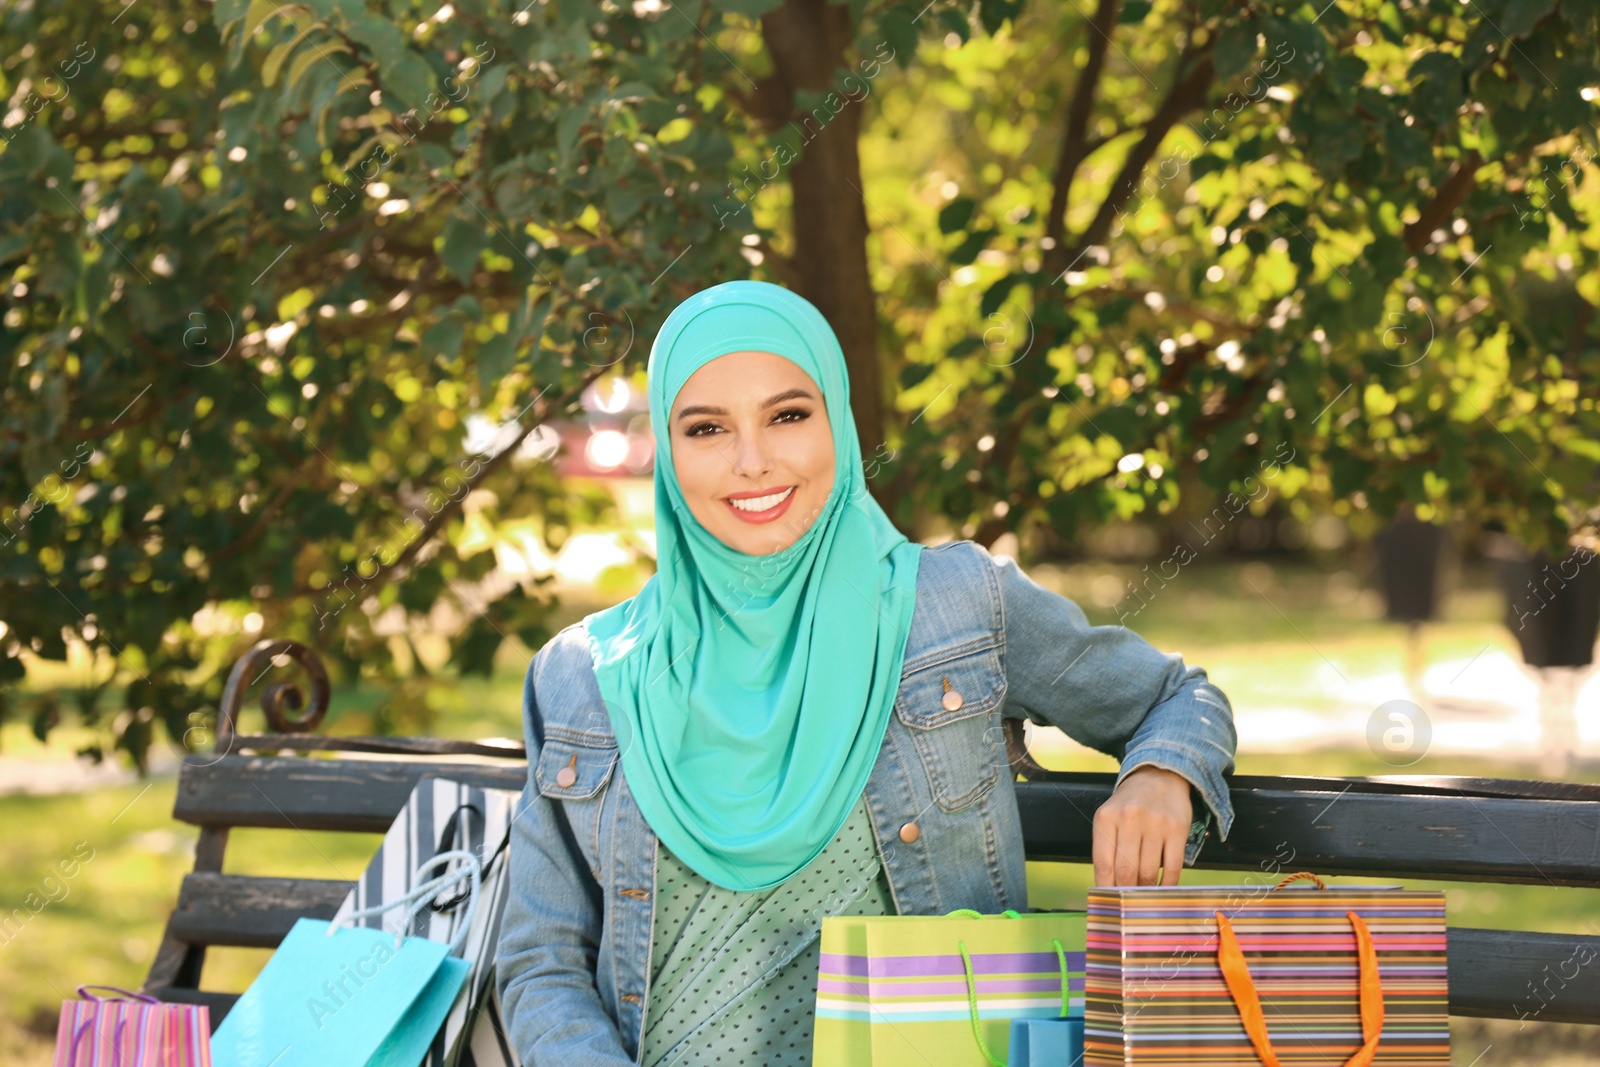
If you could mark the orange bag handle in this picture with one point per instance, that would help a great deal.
(1236, 972)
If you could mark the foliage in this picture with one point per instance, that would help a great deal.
(266, 263)
(1134, 270)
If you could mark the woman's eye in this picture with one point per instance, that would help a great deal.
(800, 412)
(694, 431)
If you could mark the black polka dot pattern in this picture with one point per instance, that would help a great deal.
(714, 996)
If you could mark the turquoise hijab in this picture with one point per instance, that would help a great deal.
(750, 693)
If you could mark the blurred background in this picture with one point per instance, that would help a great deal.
(1265, 330)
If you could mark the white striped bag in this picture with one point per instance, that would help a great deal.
(441, 815)
(131, 1030)
(489, 1046)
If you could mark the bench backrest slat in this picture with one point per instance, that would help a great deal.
(1381, 834)
(317, 794)
(232, 909)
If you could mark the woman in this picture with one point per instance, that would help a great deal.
(799, 715)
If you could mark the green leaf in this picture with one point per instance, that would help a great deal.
(1133, 11)
(279, 53)
(319, 53)
(1521, 16)
(404, 73)
(474, 651)
(750, 9)
(955, 215)
(443, 338)
(900, 32)
(996, 294)
(567, 135)
(495, 359)
(462, 242)
(13, 244)
(995, 13)
(968, 250)
(954, 20)
(227, 11)
(1439, 89)
(1236, 46)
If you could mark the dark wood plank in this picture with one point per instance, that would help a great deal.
(394, 746)
(176, 963)
(1525, 788)
(1356, 832)
(231, 909)
(1511, 974)
(316, 794)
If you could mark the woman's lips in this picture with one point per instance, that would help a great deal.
(758, 517)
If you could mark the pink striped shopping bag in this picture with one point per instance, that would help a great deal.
(131, 1030)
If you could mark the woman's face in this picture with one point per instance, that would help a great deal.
(750, 431)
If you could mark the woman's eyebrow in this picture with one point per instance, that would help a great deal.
(776, 398)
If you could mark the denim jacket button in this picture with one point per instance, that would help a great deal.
(566, 776)
(952, 700)
(910, 832)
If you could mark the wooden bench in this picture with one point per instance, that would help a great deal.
(1400, 827)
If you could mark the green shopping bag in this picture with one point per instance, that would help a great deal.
(941, 991)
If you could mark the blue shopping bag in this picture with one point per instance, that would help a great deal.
(351, 996)
(1046, 1043)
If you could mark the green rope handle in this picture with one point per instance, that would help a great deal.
(972, 985)
(1061, 958)
(972, 1006)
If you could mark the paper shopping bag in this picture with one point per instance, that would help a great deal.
(941, 991)
(1046, 1043)
(441, 815)
(347, 995)
(1230, 976)
(488, 1045)
(131, 1030)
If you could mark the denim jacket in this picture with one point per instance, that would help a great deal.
(573, 962)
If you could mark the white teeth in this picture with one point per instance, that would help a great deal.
(762, 503)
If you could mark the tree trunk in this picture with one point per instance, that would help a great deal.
(808, 40)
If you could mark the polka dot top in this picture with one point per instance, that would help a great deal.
(733, 976)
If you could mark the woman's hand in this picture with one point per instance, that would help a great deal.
(1143, 827)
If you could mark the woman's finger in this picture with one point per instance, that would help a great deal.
(1127, 859)
(1150, 849)
(1172, 858)
(1104, 849)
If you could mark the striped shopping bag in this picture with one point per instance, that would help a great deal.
(131, 1030)
(442, 814)
(942, 991)
(1235, 976)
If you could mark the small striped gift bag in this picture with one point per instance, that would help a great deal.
(942, 990)
(1241, 976)
(131, 1030)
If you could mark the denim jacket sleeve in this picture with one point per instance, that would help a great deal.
(549, 942)
(1110, 689)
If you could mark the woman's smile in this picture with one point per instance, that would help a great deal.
(761, 506)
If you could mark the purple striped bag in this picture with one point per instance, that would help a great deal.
(131, 1030)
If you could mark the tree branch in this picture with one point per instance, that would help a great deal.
(1460, 182)
(1187, 93)
(1074, 144)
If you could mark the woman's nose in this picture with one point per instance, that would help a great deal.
(752, 460)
